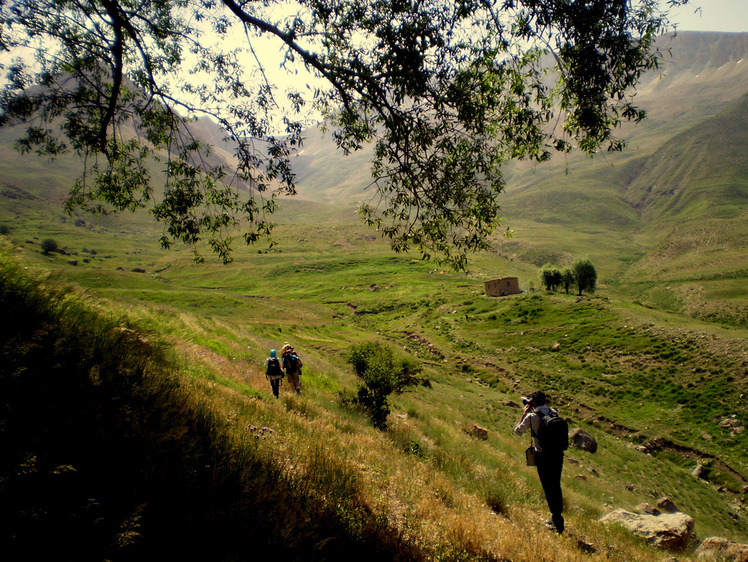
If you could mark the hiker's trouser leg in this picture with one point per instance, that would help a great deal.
(550, 466)
(275, 385)
(294, 381)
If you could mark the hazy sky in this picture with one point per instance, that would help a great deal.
(715, 15)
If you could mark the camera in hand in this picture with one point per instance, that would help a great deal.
(526, 401)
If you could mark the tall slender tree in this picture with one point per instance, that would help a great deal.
(567, 279)
(447, 92)
(585, 275)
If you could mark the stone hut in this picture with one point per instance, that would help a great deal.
(502, 286)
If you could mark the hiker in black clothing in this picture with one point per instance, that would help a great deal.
(273, 372)
(550, 462)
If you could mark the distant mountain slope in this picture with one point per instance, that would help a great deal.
(702, 172)
(700, 75)
(692, 195)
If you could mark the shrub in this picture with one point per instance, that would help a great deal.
(382, 374)
(48, 246)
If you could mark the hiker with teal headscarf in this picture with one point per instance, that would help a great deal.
(274, 372)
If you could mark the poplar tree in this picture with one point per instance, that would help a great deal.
(585, 275)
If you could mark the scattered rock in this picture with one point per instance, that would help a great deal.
(72, 262)
(556, 346)
(478, 432)
(138, 270)
(718, 548)
(511, 404)
(732, 424)
(585, 546)
(583, 440)
(648, 509)
(670, 531)
(700, 471)
(651, 447)
(666, 504)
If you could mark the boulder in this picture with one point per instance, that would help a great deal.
(669, 531)
(718, 548)
(583, 440)
(478, 432)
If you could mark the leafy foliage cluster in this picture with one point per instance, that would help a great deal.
(447, 92)
(381, 374)
(48, 246)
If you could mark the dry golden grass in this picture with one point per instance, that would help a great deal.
(425, 505)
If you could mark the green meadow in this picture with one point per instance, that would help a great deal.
(625, 364)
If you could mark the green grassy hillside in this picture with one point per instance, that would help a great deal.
(654, 365)
(701, 173)
(632, 376)
(692, 195)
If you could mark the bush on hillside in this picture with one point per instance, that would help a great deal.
(381, 374)
(48, 246)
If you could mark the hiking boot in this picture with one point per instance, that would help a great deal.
(558, 523)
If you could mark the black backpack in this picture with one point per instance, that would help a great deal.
(290, 363)
(273, 368)
(553, 433)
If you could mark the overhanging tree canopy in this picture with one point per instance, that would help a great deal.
(448, 92)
